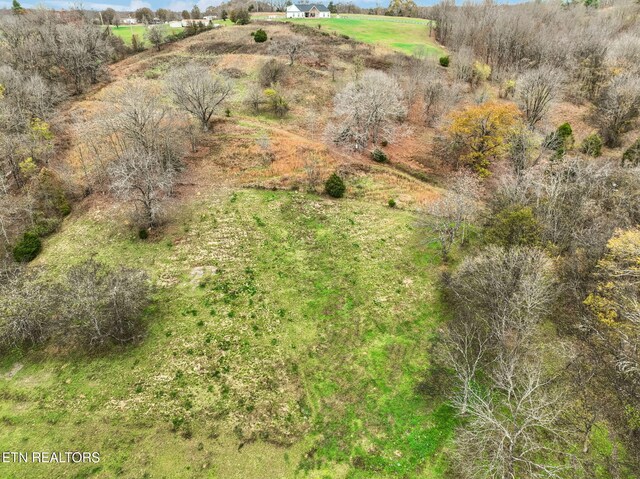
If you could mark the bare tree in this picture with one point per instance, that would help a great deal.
(445, 220)
(500, 298)
(294, 47)
(465, 349)
(267, 154)
(618, 106)
(535, 90)
(143, 178)
(512, 290)
(197, 92)
(367, 110)
(255, 98)
(25, 97)
(136, 119)
(104, 305)
(513, 429)
(437, 95)
(313, 172)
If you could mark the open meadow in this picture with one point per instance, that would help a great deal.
(406, 35)
(127, 31)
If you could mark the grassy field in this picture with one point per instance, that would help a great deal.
(127, 31)
(407, 35)
(410, 35)
(289, 333)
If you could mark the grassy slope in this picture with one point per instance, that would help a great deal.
(288, 317)
(127, 31)
(408, 36)
(405, 35)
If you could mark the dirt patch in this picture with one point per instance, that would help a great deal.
(199, 272)
(15, 369)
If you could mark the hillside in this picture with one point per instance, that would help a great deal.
(288, 332)
(410, 35)
(261, 343)
(406, 35)
(354, 248)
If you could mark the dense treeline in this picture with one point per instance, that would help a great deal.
(47, 56)
(65, 50)
(544, 337)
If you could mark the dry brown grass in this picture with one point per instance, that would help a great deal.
(231, 155)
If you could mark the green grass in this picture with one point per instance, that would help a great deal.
(289, 334)
(406, 35)
(127, 31)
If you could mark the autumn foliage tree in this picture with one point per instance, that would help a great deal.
(615, 306)
(478, 135)
(613, 321)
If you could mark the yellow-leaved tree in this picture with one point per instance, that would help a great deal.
(478, 135)
(616, 301)
(615, 305)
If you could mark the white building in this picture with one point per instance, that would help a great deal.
(129, 21)
(194, 21)
(310, 10)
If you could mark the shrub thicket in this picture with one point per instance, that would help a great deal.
(335, 186)
(379, 156)
(27, 248)
(631, 157)
(276, 102)
(271, 73)
(91, 307)
(592, 145)
(560, 140)
(240, 16)
(444, 60)
(260, 36)
(104, 306)
(515, 226)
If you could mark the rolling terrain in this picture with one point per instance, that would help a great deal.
(364, 247)
(410, 35)
(289, 331)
